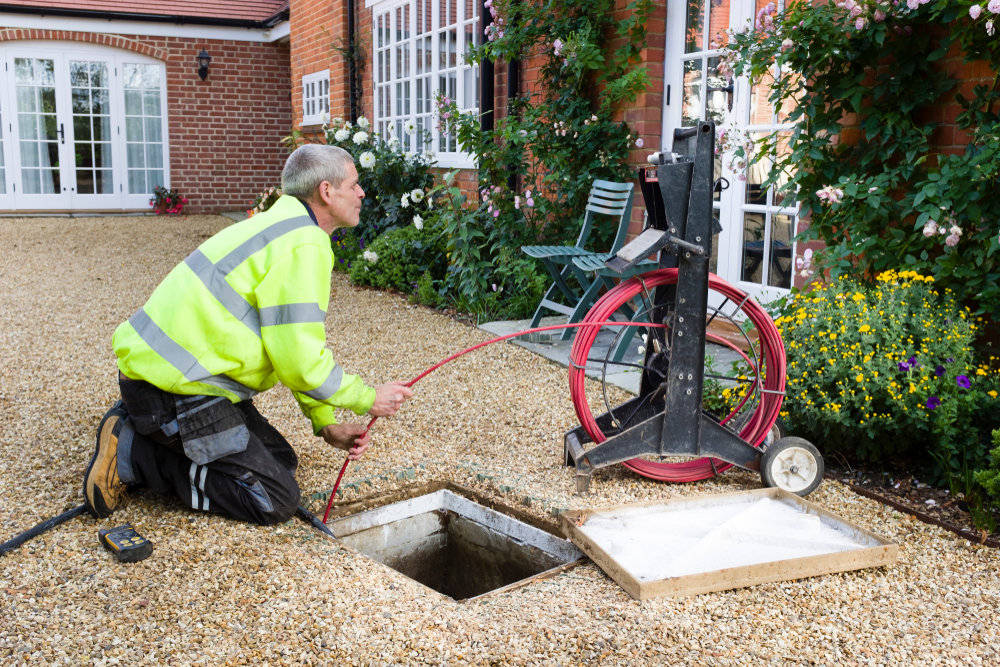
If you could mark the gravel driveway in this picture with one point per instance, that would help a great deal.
(217, 592)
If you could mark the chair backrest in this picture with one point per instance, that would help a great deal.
(610, 199)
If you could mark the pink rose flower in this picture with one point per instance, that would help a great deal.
(859, 24)
(517, 203)
(975, 11)
(530, 202)
(951, 241)
(496, 214)
(994, 6)
(639, 142)
(879, 16)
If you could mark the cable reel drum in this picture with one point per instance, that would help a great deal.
(666, 433)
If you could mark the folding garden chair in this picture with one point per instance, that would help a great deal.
(606, 198)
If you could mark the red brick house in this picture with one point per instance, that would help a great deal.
(153, 119)
(103, 100)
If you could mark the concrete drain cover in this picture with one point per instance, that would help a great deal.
(454, 545)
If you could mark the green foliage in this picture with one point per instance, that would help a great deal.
(426, 293)
(889, 368)
(389, 176)
(398, 259)
(552, 144)
(990, 477)
(264, 201)
(167, 201)
(889, 197)
(347, 248)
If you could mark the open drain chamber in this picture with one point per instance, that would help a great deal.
(454, 545)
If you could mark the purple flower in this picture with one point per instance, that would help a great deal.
(933, 403)
(963, 382)
(903, 366)
(912, 361)
(949, 360)
(939, 371)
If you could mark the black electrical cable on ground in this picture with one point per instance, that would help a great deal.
(48, 524)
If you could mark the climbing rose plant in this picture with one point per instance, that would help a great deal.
(889, 196)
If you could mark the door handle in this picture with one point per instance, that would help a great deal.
(725, 89)
(62, 133)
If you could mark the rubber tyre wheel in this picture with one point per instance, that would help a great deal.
(787, 454)
(777, 432)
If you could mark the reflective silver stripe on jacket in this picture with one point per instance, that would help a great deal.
(329, 387)
(181, 359)
(217, 285)
(213, 275)
(291, 313)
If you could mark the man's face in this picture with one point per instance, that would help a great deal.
(344, 203)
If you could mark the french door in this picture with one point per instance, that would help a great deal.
(755, 250)
(80, 130)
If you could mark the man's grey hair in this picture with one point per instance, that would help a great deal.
(310, 165)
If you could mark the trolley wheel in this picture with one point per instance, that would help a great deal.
(777, 432)
(792, 464)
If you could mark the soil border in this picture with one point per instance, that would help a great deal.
(926, 518)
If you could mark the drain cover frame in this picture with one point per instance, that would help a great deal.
(873, 550)
(384, 527)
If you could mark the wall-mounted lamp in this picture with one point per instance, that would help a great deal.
(203, 60)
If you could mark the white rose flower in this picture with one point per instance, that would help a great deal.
(360, 138)
(409, 155)
(363, 123)
(417, 195)
(342, 135)
(418, 222)
(367, 160)
(405, 200)
(371, 256)
(410, 127)
(393, 143)
(324, 117)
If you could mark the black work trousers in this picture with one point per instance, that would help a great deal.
(256, 484)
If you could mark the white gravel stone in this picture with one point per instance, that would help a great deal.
(217, 592)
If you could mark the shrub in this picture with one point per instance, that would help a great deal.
(347, 248)
(389, 175)
(167, 201)
(264, 201)
(398, 259)
(889, 368)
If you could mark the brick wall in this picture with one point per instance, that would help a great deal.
(225, 131)
(318, 29)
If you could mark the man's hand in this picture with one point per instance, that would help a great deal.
(349, 437)
(389, 398)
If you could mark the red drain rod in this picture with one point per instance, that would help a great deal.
(343, 468)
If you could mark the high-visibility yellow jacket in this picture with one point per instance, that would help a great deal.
(243, 312)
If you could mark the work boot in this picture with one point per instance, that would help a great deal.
(103, 491)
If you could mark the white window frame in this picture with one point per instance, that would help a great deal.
(732, 205)
(394, 67)
(62, 51)
(315, 97)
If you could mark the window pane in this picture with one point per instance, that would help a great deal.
(718, 100)
(30, 182)
(47, 100)
(84, 155)
(81, 101)
(26, 99)
(753, 247)
(29, 153)
(133, 102)
(692, 101)
(49, 128)
(154, 155)
(102, 155)
(99, 101)
(151, 102)
(151, 77)
(469, 89)
(452, 47)
(102, 128)
(103, 182)
(694, 31)
(81, 128)
(85, 182)
(23, 71)
(79, 74)
(99, 75)
(27, 126)
(136, 156)
(136, 181)
(154, 177)
(50, 181)
(133, 129)
(780, 272)
(132, 75)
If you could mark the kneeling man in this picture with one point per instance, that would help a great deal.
(241, 313)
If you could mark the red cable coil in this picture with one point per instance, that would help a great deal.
(773, 371)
